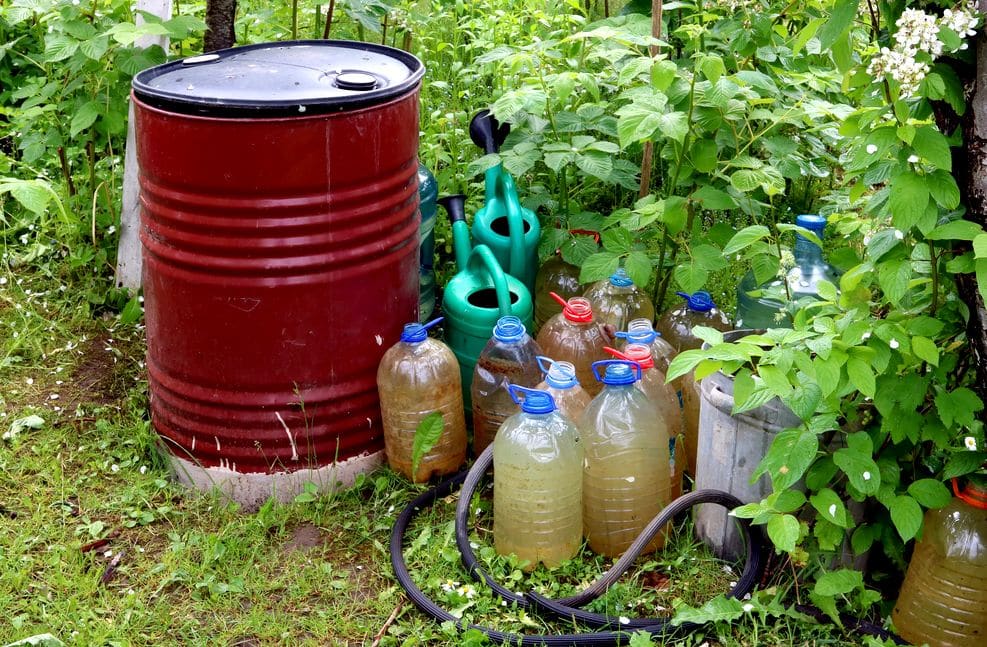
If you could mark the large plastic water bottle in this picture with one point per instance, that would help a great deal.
(428, 194)
(617, 300)
(663, 395)
(768, 305)
(561, 383)
(626, 478)
(510, 357)
(538, 482)
(417, 376)
(555, 275)
(641, 331)
(943, 599)
(676, 327)
(574, 336)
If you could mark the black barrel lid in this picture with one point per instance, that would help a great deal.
(279, 79)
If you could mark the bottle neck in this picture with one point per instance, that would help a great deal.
(971, 493)
(807, 252)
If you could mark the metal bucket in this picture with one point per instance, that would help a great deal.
(730, 449)
(279, 222)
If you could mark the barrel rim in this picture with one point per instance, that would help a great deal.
(226, 107)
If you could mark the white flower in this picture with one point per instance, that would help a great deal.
(748, 607)
(143, 469)
(918, 32)
(467, 591)
(114, 467)
(963, 21)
(898, 234)
(871, 149)
(971, 443)
(449, 586)
(866, 476)
(832, 510)
(913, 159)
(624, 620)
(866, 335)
(893, 343)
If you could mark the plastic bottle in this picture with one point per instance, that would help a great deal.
(767, 305)
(943, 600)
(428, 194)
(561, 383)
(617, 300)
(653, 385)
(675, 326)
(417, 376)
(573, 336)
(625, 475)
(641, 331)
(538, 482)
(510, 357)
(555, 275)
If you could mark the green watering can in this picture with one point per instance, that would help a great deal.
(478, 295)
(508, 229)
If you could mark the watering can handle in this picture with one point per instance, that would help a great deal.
(515, 223)
(482, 258)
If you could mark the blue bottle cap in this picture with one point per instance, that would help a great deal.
(509, 329)
(617, 371)
(620, 278)
(700, 301)
(812, 222)
(416, 333)
(532, 400)
(558, 375)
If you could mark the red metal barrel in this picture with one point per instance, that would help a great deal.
(279, 226)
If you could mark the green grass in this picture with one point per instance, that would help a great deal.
(194, 570)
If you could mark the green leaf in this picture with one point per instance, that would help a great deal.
(94, 48)
(33, 195)
(595, 163)
(690, 276)
(131, 312)
(84, 117)
(712, 67)
(962, 463)
(746, 180)
(577, 249)
(674, 125)
(894, 277)
(744, 238)
(931, 493)
(640, 120)
(839, 21)
(860, 469)
(676, 214)
(906, 515)
(59, 46)
(932, 145)
(638, 267)
(804, 399)
(790, 454)
(838, 582)
(482, 164)
(925, 349)
(783, 530)
(426, 435)
(719, 609)
(704, 155)
(908, 200)
(980, 246)
(861, 375)
(684, 362)
(958, 406)
(510, 103)
(830, 507)
(598, 267)
(714, 199)
(617, 240)
(27, 422)
(956, 230)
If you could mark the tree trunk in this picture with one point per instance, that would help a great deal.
(970, 169)
(220, 22)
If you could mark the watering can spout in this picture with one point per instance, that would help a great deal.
(488, 133)
(455, 206)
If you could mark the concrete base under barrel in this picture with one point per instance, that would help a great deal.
(252, 490)
(730, 449)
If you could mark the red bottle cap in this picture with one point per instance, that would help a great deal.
(576, 309)
(634, 353)
(970, 494)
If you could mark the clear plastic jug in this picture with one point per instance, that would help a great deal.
(676, 325)
(510, 357)
(538, 482)
(555, 275)
(943, 600)
(616, 301)
(768, 305)
(417, 376)
(561, 383)
(573, 336)
(663, 395)
(625, 477)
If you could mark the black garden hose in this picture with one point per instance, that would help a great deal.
(654, 626)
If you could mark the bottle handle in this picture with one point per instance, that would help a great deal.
(544, 363)
(518, 391)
